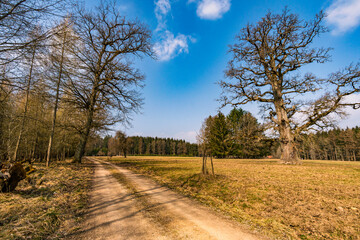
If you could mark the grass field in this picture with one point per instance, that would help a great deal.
(48, 204)
(315, 200)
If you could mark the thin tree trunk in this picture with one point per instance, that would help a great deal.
(63, 154)
(25, 107)
(56, 101)
(336, 154)
(354, 155)
(203, 165)
(342, 155)
(326, 154)
(8, 143)
(32, 158)
(212, 165)
(36, 137)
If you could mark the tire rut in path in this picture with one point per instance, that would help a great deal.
(138, 208)
(113, 213)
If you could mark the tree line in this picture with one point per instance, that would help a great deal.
(335, 144)
(235, 135)
(120, 144)
(65, 76)
(240, 135)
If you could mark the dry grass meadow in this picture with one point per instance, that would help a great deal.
(46, 205)
(315, 200)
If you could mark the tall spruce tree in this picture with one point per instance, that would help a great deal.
(220, 138)
(246, 133)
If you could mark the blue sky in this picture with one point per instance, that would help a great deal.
(191, 39)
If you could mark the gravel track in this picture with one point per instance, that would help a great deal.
(147, 210)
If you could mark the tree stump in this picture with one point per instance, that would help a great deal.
(9, 178)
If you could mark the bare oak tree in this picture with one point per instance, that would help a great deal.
(265, 68)
(107, 80)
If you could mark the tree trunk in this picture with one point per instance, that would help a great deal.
(32, 157)
(85, 134)
(80, 148)
(204, 167)
(212, 165)
(56, 102)
(336, 153)
(63, 154)
(289, 153)
(326, 154)
(83, 139)
(342, 155)
(355, 156)
(26, 106)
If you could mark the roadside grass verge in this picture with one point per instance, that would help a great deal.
(46, 205)
(315, 200)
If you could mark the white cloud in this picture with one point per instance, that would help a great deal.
(212, 9)
(344, 15)
(171, 46)
(353, 114)
(162, 8)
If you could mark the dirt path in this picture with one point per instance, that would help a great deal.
(132, 206)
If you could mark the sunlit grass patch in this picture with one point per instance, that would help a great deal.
(315, 200)
(48, 204)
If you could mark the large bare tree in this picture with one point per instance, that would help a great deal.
(107, 81)
(264, 68)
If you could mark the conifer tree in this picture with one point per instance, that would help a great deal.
(220, 138)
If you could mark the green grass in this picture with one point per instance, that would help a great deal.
(48, 204)
(315, 200)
